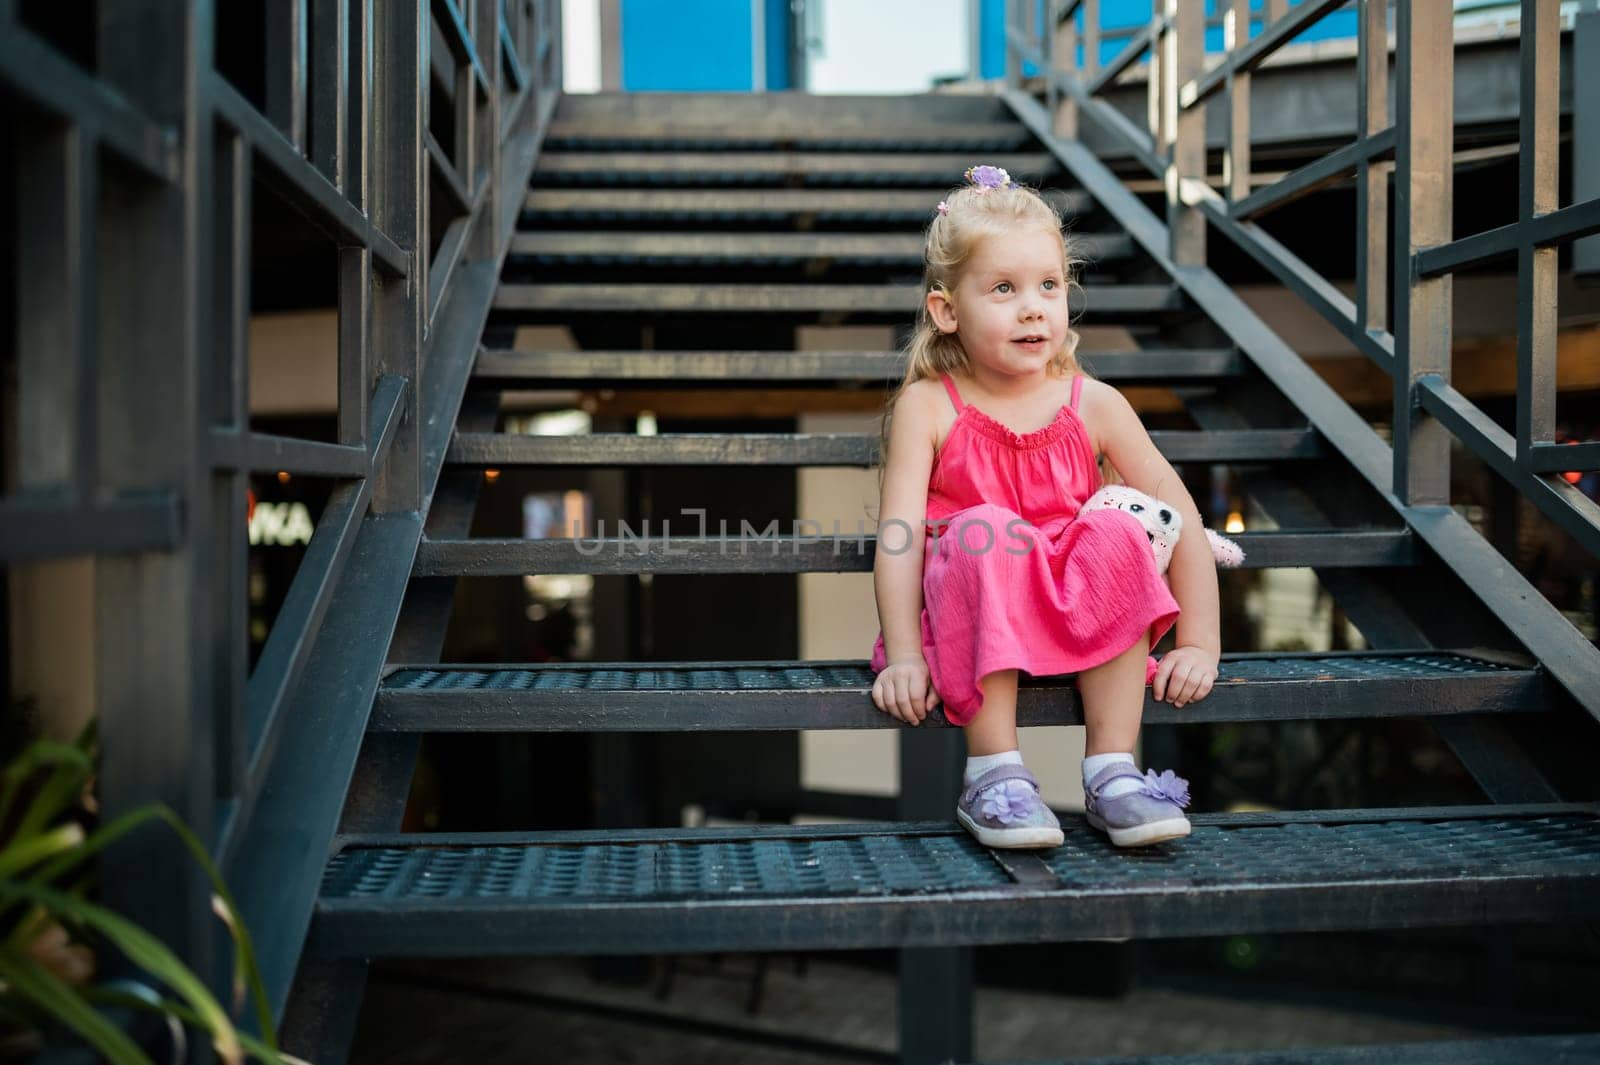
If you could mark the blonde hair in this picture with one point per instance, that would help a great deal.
(974, 214)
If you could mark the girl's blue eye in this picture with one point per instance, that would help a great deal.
(1050, 283)
(1003, 286)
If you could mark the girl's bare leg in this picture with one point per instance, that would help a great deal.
(995, 728)
(1113, 700)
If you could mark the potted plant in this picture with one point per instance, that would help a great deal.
(50, 928)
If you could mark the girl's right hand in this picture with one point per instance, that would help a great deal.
(904, 689)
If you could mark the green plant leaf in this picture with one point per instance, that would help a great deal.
(21, 853)
(61, 1002)
(39, 754)
(28, 926)
(246, 972)
(145, 951)
(252, 1046)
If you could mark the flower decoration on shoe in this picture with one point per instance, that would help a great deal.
(1010, 802)
(988, 177)
(1167, 786)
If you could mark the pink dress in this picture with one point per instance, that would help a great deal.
(1051, 594)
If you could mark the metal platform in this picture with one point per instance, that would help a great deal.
(817, 449)
(758, 550)
(498, 368)
(884, 206)
(1515, 1050)
(900, 250)
(857, 169)
(733, 696)
(895, 302)
(932, 884)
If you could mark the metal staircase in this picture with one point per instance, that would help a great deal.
(798, 211)
(425, 150)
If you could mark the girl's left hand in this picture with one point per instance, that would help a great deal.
(1184, 674)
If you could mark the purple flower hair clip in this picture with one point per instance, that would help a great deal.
(988, 177)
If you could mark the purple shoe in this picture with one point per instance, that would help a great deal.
(1135, 818)
(1012, 815)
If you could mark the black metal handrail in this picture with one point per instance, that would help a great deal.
(1415, 263)
(136, 172)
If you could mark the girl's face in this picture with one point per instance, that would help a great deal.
(1010, 305)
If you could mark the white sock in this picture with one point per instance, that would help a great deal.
(1096, 762)
(979, 764)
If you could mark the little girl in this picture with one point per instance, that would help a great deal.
(991, 443)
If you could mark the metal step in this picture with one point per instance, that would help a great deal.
(930, 884)
(595, 369)
(546, 206)
(1500, 1050)
(785, 696)
(617, 133)
(896, 302)
(858, 169)
(786, 110)
(819, 449)
(756, 249)
(748, 548)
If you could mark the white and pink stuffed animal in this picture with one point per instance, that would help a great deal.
(1163, 523)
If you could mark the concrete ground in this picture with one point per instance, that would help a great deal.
(824, 1010)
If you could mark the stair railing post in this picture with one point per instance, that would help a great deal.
(1013, 53)
(1586, 129)
(399, 104)
(355, 163)
(1181, 48)
(1372, 176)
(1091, 37)
(485, 15)
(1236, 149)
(1159, 134)
(1063, 54)
(1424, 115)
(1539, 121)
(1050, 44)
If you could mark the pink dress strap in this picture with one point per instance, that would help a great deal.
(1077, 387)
(950, 387)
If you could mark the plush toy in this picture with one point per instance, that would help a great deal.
(1161, 522)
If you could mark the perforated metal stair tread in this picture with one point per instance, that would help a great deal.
(761, 549)
(664, 134)
(750, 249)
(931, 884)
(1511, 1050)
(594, 369)
(860, 169)
(543, 206)
(817, 449)
(834, 694)
(895, 301)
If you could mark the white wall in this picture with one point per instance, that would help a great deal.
(580, 41)
(889, 45)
